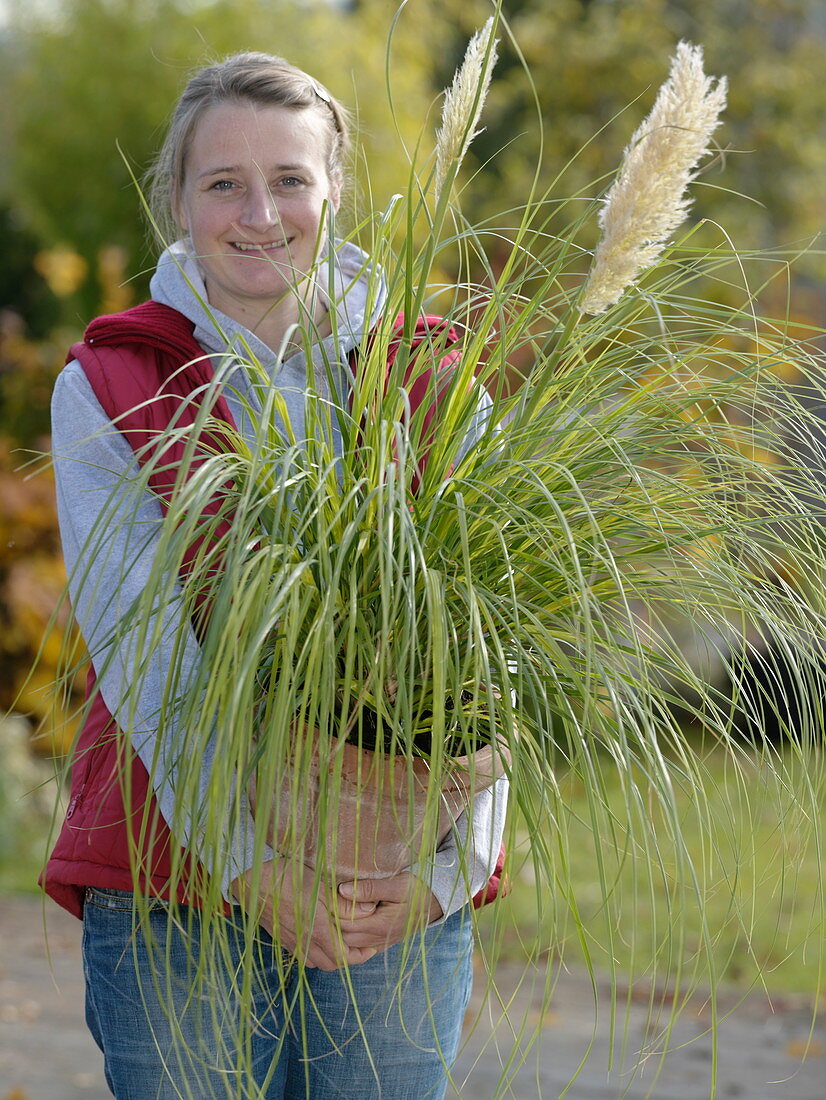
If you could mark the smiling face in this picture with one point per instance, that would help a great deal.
(253, 201)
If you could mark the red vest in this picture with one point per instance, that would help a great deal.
(130, 358)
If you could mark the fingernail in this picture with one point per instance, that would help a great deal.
(346, 889)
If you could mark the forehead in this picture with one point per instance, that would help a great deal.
(238, 134)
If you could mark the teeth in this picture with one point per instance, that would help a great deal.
(245, 246)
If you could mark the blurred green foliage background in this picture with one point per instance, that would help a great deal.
(85, 78)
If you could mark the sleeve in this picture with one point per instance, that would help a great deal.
(466, 859)
(480, 422)
(92, 460)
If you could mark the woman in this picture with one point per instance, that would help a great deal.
(250, 173)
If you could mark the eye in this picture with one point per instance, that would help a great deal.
(222, 185)
(291, 181)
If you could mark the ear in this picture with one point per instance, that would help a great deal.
(179, 212)
(335, 195)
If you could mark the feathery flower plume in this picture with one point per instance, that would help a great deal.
(647, 200)
(463, 104)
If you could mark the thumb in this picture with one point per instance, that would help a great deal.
(377, 890)
(354, 893)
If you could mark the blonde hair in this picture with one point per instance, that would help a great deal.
(257, 78)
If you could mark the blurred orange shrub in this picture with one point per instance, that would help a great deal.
(32, 577)
(33, 623)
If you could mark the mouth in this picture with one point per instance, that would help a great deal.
(262, 247)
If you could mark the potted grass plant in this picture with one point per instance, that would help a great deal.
(486, 583)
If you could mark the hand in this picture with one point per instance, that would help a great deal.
(376, 913)
(321, 944)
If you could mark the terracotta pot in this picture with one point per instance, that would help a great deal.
(372, 824)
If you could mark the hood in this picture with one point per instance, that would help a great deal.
(356, 289)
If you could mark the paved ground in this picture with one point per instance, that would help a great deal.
(766, 1052)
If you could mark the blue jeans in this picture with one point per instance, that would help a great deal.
(389, 1028)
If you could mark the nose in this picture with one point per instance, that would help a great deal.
(259, 211)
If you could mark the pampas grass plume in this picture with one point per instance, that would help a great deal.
(463, 104)
(647, 200)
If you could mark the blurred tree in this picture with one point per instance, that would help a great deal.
(22, 289)
(98, 73)
(31, 568)
(103, 74)
(593, 69)
(84, 81)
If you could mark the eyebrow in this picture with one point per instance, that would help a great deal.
(229, 169)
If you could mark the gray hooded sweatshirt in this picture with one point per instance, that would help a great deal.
(93, 461)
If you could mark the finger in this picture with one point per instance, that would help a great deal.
(317, 961)
(360, 941)
(321, 959)
(353, 910)
(389, 920)
(374, 924)
(377, 890)
(324, 956)
(331, 950)
(358, 955)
